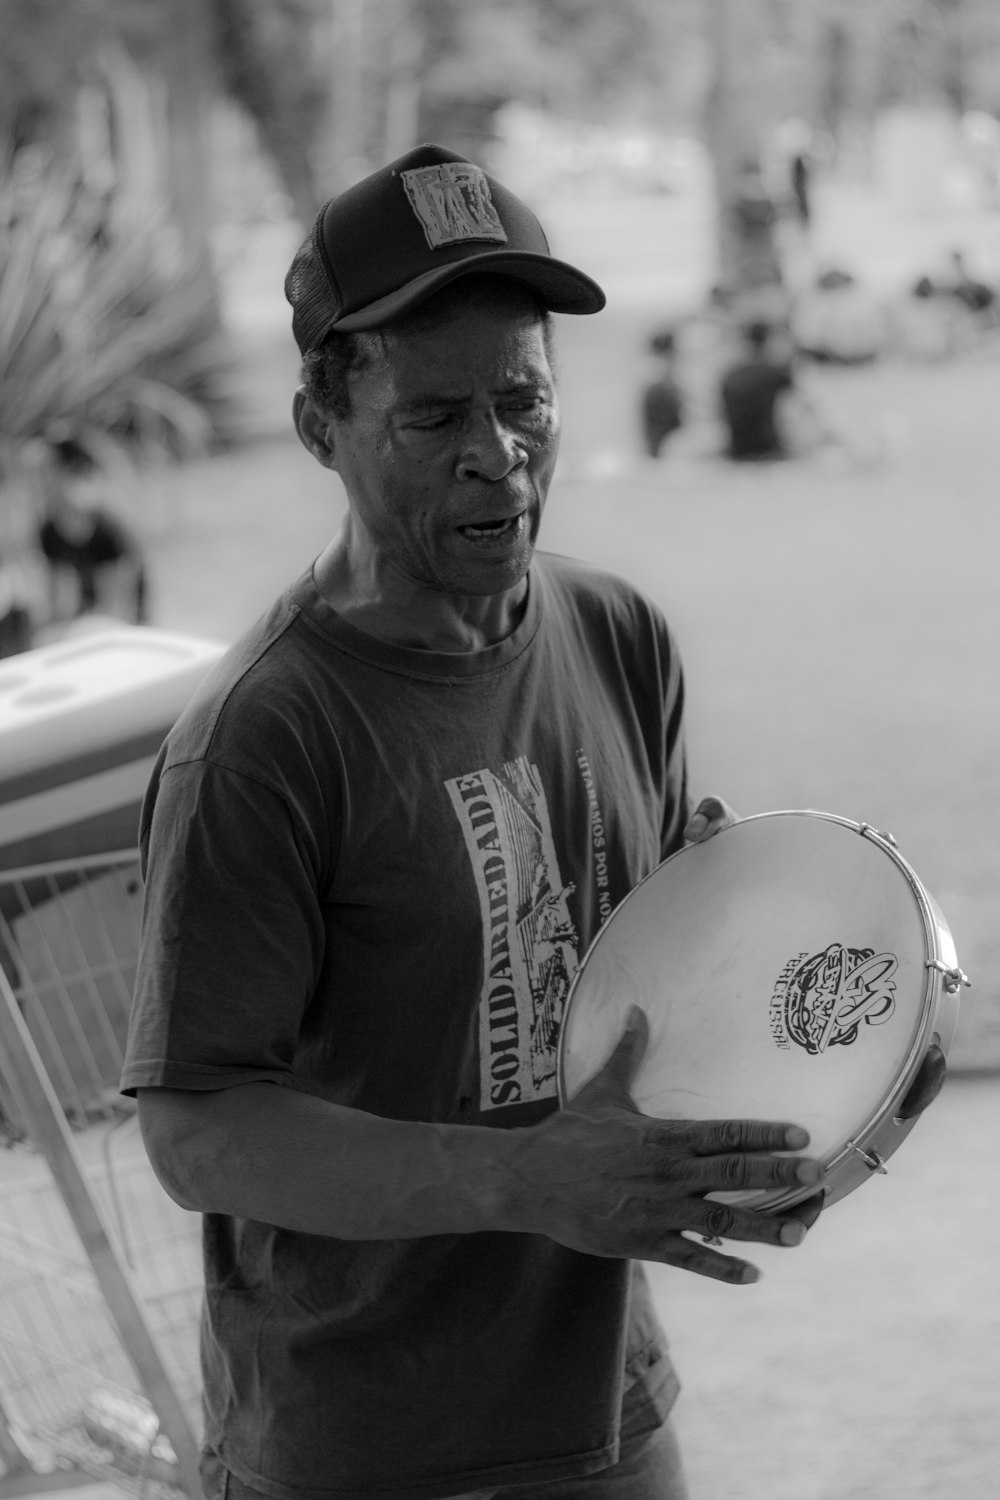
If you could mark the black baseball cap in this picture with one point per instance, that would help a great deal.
(383, 246)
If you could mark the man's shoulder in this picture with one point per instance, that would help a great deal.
(250, 688)
(593, 596)
(572, 578)
(586, 584)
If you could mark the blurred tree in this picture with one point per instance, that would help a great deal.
(109, 310)
(82, 79)
(442, 69)
(876, 53)
(336, 86)
(45, 57)
(835, 83)
(915, 60)
(270, 58)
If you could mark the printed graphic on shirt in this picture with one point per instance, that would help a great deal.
(597, 839)
(529, 941)
(822, 1000)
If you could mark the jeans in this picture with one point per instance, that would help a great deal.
(649, 1469)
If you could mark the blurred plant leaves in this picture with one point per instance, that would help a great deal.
(102, 337)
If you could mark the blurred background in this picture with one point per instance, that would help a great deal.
(804, 192)
(829, 169)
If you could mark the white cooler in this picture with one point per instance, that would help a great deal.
(81, 722)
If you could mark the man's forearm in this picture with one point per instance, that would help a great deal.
(596, 1176)
(260, 1151)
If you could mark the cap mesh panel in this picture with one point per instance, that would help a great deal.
(314, 306)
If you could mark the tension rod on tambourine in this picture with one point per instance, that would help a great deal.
(954, 978)
(871, 1159)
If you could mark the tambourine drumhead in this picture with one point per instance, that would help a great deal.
(791, 968)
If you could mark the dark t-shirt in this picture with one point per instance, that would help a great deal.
(749, 395)
(371, 874)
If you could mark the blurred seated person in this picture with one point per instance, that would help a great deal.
(944, 315)
(749, 393)
(838, 321)
(662, 403)
(94, 563)
(924, 322)
(17, 607)
(972, 294)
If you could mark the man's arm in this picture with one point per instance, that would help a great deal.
(596, 1176)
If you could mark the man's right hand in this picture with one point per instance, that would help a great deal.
(600, 1177)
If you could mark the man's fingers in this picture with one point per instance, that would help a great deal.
(709, 817)
(737, 1155)
(732, 1221)
(926, 1086)
(720, 1137)
(694, 1255)
(809, 1211)
(751, 1173)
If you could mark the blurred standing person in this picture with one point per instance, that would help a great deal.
(662, 402)
(95, 564)
(749, 393)
(801, 184)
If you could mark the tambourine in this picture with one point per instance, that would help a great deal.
(792, 967)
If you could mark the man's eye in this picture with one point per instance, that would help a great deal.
(432, 424)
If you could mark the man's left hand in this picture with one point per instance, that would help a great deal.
(709, 817)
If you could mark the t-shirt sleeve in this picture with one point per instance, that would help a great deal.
(232, 936)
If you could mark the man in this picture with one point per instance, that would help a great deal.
(376, 846)
(748, 396)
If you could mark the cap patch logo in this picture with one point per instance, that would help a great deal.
(453, 203)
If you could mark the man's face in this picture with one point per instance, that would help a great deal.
(451, 442)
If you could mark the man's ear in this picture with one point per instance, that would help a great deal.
(313, 428)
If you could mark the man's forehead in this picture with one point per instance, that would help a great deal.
(507, 345)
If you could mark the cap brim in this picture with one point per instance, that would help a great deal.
(560, 287)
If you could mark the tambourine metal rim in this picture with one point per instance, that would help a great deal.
(884, 1130)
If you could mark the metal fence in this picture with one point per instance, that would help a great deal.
(68, 1391)
(69, 944)
(72, 1397)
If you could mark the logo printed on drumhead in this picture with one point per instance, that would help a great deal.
(453, 203)
(822, 1000)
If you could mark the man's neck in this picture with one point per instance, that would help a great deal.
(406, 613)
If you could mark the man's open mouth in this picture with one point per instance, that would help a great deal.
(487, 530)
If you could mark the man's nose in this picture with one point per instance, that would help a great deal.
(490, 450)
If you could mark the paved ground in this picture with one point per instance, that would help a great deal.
(866, 1365)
